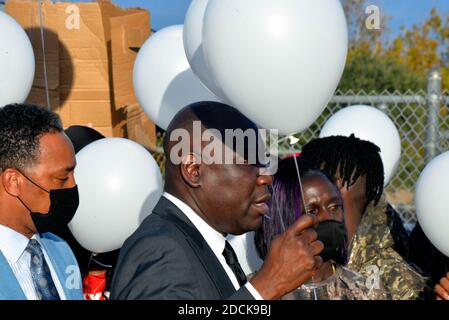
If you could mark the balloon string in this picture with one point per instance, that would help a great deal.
(43, 55)
(299, 178)
(302, 198)
(107, 266)
(278, 212)
(88, 264)
(301, 192)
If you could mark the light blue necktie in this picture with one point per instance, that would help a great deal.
(40, 273)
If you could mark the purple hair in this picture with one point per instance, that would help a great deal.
(286, 205)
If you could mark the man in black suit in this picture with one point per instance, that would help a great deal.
(180, 250)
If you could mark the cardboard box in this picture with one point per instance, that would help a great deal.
(140, 128)
(89, 64)
(128, 33)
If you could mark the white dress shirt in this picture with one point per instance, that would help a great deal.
(12, 246)
(214, 239)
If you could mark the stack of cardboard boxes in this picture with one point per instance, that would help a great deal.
(89, 51)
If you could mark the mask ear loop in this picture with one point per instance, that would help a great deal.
(35, 184)
(32, 181)
(293, 141)
(23, 203)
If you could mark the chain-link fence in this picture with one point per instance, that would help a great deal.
(422, 119)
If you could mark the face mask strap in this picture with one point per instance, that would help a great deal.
(32, 181)
(23, 203)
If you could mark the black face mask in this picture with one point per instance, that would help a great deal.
(63, 205)
(332, 234)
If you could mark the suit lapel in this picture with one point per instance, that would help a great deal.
(52, 254)
(168, 211)
(10, 288)
(63, 267)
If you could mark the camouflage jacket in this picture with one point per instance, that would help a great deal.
(344, 284)
(372, 254)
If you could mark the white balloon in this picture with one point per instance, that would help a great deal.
(163, 80)
(432, 207)
(245, 250)
(119, 184)
(193, 44)
(371, 124)
(17, 62)
(278, 62)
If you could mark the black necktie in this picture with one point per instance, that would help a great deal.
(232, 261)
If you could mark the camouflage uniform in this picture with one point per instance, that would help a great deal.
(344, 284)
(372, 254)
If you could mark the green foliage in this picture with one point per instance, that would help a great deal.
(379, 73)
(376, 64)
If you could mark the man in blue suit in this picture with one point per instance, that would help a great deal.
(38, 195)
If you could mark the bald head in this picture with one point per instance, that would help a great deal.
(210, 148)
(217, 132)
(212, 115)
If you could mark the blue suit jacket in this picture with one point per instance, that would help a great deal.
(63, 261)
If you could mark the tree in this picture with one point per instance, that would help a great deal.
(369, 73)
(376, 64)
(418, 48)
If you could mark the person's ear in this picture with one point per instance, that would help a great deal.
(191, 170)
(11, 180)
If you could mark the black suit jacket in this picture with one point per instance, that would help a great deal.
(168, 258)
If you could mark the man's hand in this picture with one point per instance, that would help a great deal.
(291, 261)
(442, 289)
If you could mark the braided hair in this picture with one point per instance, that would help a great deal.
(349, 158)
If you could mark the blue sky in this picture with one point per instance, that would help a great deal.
(409, 12)
(401, 12)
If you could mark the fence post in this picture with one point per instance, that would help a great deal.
(433, 110)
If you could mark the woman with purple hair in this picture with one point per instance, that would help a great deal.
(322, 198)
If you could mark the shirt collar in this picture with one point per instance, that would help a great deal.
(214, 239)
(13, 243)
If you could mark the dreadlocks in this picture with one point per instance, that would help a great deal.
(351, 158)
